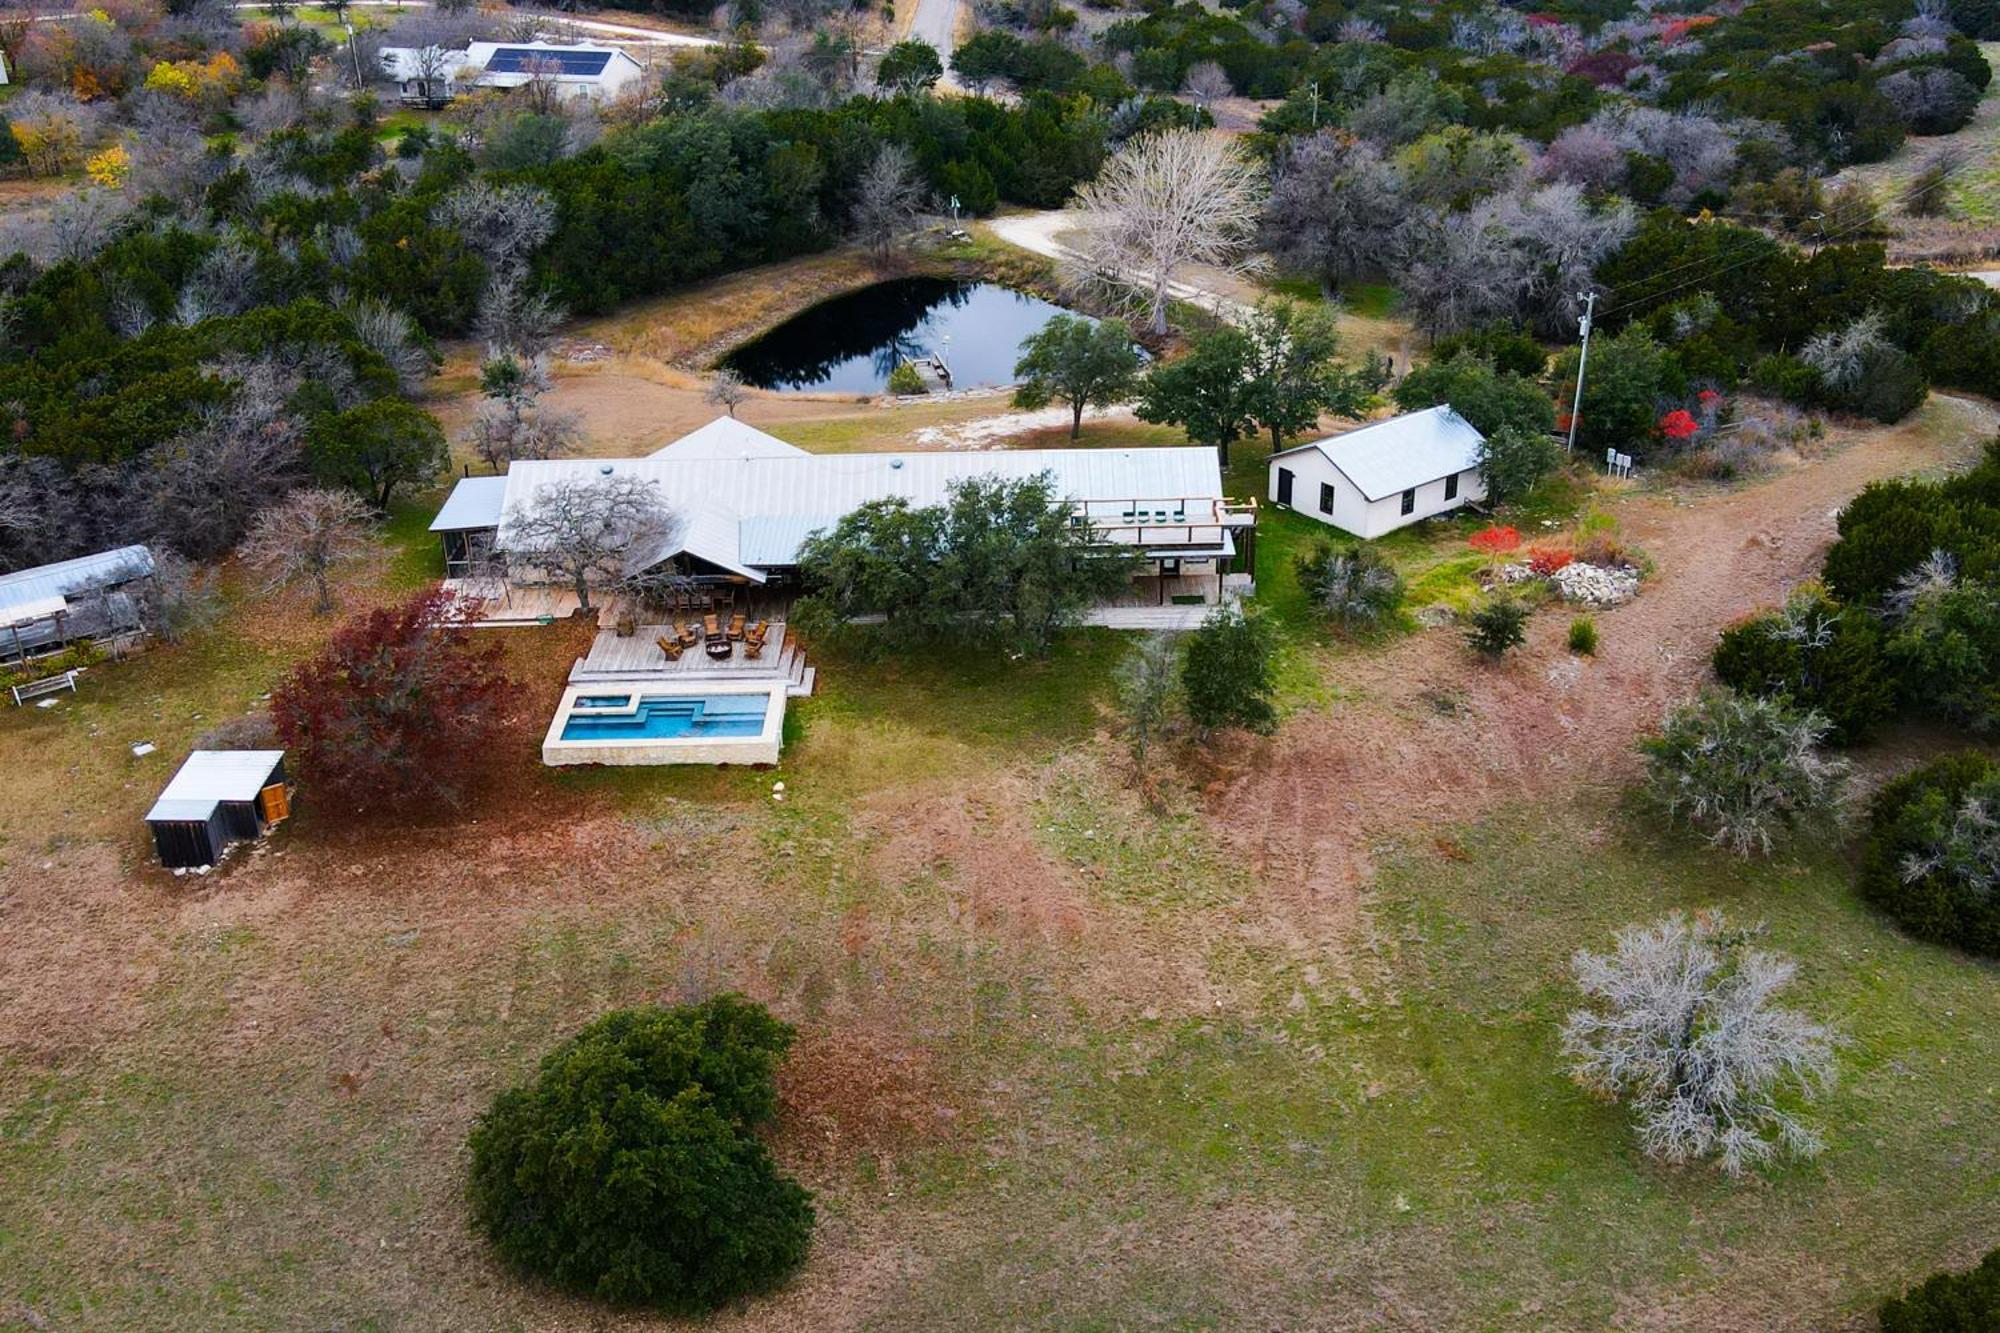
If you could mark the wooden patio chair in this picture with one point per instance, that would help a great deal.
(673, 648)
(690, 634)
(711, 626)
(736, 623)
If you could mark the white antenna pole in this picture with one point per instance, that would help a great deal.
(1589, 300)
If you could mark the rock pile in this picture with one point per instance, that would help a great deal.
(1596, 585)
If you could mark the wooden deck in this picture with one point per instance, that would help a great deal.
(1150, 604)
(638, 657)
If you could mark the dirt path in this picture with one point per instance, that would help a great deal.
(1429, 735)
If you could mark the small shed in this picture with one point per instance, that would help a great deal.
(218, 797)
(1385, 475)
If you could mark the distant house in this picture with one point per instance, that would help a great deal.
(47, 608)
(218, 797)
(433, 75)
(1383, 476)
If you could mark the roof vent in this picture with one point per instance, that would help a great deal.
(606, 469)
(896, 463)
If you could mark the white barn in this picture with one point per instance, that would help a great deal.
(1383, 476)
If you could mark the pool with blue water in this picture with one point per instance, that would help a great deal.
(615, 717)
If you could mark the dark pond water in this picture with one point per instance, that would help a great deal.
(851, 343)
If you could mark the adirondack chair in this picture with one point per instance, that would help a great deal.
(736, 625)
(671, 647)
(753, 639)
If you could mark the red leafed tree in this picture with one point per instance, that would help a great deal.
(1679, 424)
(1494, 540)
(401, 705)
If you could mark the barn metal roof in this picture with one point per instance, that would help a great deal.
(753, 510)
(1395, 455)
(726, 437)
(209, 776)
(475, 502)
(31, 593)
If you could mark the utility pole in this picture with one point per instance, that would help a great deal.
(1589, 300)
(1313, 88)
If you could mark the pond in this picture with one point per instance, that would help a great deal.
(851, 343)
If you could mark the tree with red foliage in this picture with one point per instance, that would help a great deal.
(1679, 425)
(1495, 540)
(399, 706)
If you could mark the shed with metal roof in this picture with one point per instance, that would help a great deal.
(216, 798)
(83, 598)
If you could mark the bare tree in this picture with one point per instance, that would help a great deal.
(76, 227)
(1334, 207)
(512, 423)
(1561, 240)
(516, 317)
(1163, 202)
(224, 283)
(394, 336)
(1684, 1027)
(181, 598)
(590, 532)
(727, 390)
(1842, 356)
(1206, 83)
(1459, 270)
(208, 483)
(502, 224)
(303, 537)
(887, 199)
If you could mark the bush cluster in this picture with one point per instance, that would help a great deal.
(630, 1169)
(1932, 859)
(1967, 1302)
(1816, 655)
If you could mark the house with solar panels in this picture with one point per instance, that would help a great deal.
(599, 73)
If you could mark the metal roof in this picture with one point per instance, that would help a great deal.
(30, 593)
(1394, 455)
(476, 502)
(714, 495)
(209, 776)
(726, 437)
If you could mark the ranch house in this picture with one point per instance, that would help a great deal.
(1383, 476)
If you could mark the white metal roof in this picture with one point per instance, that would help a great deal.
(1395, 455)
(209, 776)
(476, 502)
(768, 498)
(23, 592)
(726, 437)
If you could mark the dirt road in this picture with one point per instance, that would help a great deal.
(1426, 734)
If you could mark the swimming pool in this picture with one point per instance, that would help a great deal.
(621, 717)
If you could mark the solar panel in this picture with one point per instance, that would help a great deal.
(528, 60)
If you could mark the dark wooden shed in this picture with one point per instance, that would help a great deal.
(218, 797)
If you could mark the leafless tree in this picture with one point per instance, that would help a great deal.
(1206, 83)
(182, 598)
(1334, 207)
(1842, 356)
(1683, 1025)
(515, 317)
(74, 228)
(1591, 156)
(208, 483)
(224, 283)
(502, 224)
(53, 129)
(727, 391)
(1162, 203)
(590, 533)
(512, 423)
(887, 199)
(304, 537)
(1562, 240)
(394, 336)
(1460, 270)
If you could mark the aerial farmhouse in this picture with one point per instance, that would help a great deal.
(1383, 476)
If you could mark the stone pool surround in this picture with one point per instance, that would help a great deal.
(648, 750)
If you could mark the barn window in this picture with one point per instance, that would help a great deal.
(1326, 497)
(1410, 500)
(1451, 487)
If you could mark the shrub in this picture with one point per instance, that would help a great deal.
(1508, 351)
(904, 380)
(629, 1169)
(1496, 625)
(1816, 655)
(1544, 561)
(1598, 541)
(1744, 772)
(1513, 461)
(400, 708)
(1967, 1302)
(1355, 584)
(1227, 672)
(1682, 1026)
(1947, 651)
(1495, 541)
(1583, 636)
(1932, 860)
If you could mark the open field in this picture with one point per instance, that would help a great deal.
(1278, 1054)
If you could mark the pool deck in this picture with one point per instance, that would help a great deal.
(637, 656)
